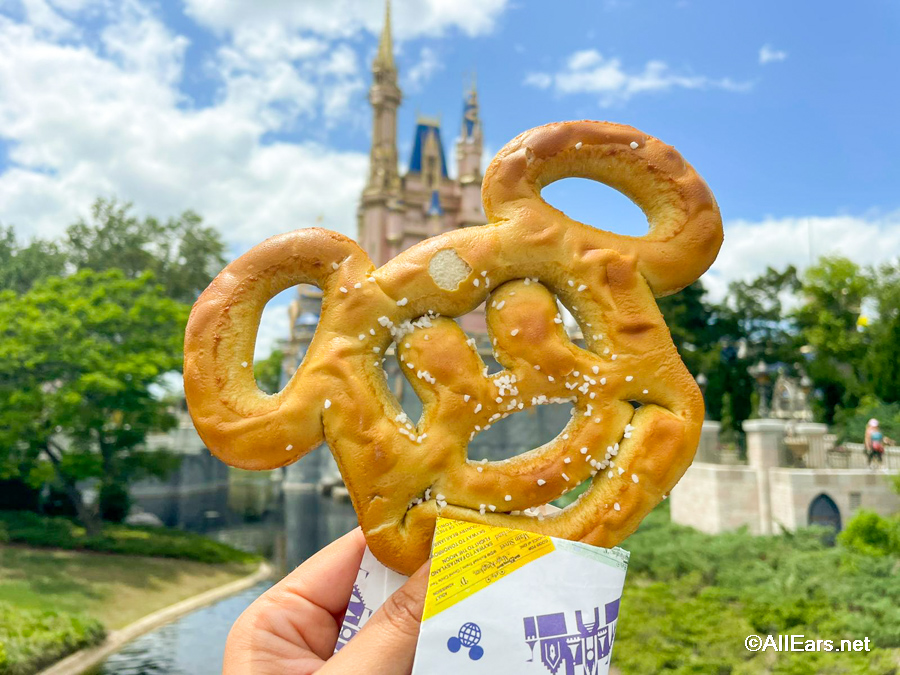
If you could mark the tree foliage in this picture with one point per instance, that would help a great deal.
(833, 294)
(78, 360)
(182, 253)
(755, 315)
(21, 266)
(692, 596)
(89, 323)
(816, 323)
(268, 372)
(883, 356)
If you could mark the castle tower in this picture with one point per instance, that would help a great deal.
(378, 217)
(303, 314)
(468, 159)
(396, 212)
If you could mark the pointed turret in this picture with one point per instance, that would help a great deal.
(385, 97)
(384, 59)
(468, 161)
(471, 124)
(381, 197)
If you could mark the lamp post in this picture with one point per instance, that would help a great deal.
(806, 385)
(760, 373)
(702, 381)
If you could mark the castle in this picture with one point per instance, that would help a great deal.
(395, 212)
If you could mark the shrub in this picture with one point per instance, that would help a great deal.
(691, 599)
(872, 534)
(29, 528)
(32, 639)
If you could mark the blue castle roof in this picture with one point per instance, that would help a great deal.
(434, 208)
(470, 115)
(423, 129)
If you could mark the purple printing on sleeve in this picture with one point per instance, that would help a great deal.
(356, 615)
(581, 651)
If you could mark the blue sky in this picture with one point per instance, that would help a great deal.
(254, 113)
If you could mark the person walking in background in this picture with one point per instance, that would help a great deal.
(874, 443)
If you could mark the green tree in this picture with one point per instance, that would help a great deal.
(755, 315)
(749, 325)
(268, 372)
(182, 253)
(833, 293)
(78, 360)
(883, 363)
(688, 316)
(21, 266)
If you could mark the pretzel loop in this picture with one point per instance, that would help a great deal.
(685, 226)
(637, 411)
(240, 419)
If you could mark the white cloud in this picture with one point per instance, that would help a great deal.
(589, 72)
(750, 247)
(539, 80)
(423, 69)
(83, 123)
(139, 43)
(768, 54)
(277, 76)
(74, 5)
(344, 18)
(47, 20)
(273, 325)
(91, 105)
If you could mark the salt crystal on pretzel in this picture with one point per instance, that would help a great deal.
(533, 254)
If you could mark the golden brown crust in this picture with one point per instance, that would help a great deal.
(401, 473)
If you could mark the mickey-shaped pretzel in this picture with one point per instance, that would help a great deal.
(402, 473)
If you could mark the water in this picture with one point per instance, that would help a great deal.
(194, 644)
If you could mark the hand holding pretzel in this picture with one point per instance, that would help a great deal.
(402, 473)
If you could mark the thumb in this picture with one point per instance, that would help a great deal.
(387, 643)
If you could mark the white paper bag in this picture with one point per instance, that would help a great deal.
(374, 584)
(505, 601)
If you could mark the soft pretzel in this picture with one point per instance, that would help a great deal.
(402, 473)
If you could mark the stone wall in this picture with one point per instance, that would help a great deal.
(708, 450)
(714, 498)
(793, 490)
(194, 496)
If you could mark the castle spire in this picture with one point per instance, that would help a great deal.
(471, 124)
(385, 97)
(468, 160)
(384, 60)
(379, 220)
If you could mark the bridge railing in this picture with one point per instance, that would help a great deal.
(849, 456)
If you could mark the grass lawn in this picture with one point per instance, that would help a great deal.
(116, 589)
(61, 590)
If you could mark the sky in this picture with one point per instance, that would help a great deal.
(254, 113)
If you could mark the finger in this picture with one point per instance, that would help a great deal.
(387, 643)
(305, 608)
(326, 579)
